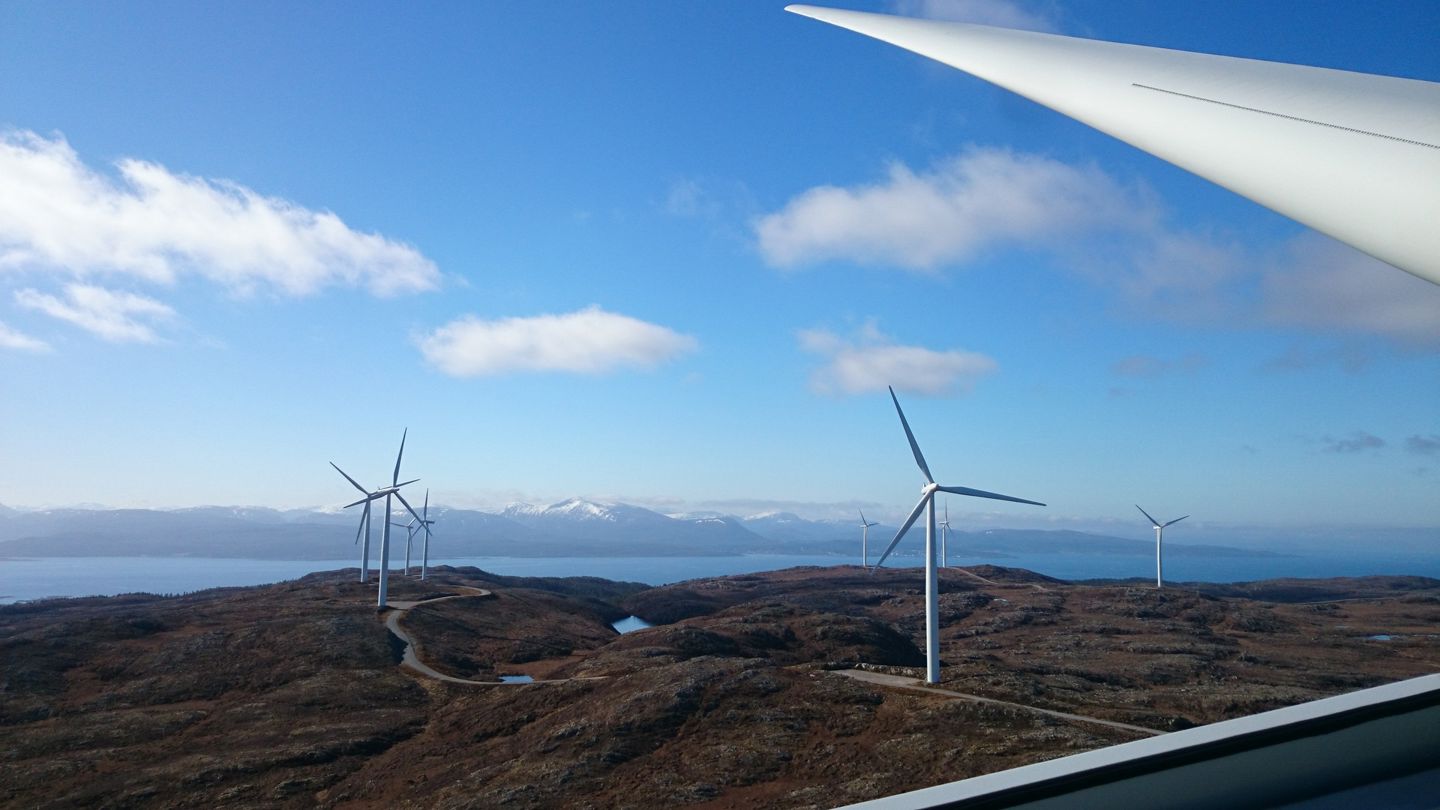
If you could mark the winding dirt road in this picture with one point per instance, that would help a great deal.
(902, 682)
(412, 661)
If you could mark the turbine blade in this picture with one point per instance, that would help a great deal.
(426, 510)
(1113, 88)
(406, 483)
(1176, 520)
(407, 505)
(1153, 521)
(910, 521)
(364, 521)
(980, 493)
(348, 478)
(398, 456)
(863, 521)
(919, 459)
(365, 500)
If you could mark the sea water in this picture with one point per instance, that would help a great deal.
(23, 579)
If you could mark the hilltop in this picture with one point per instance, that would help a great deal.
(290, 695)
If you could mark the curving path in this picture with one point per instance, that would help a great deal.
(413, 662)
(902, 682)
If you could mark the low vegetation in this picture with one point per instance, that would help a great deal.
(291, 695)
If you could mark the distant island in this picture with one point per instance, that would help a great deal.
(785, 689)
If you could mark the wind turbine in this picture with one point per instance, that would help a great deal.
(945, 538)
(365, 530)
(425, 523)
(932, 578)
(865, 539)
(386, 493)
(1159, 532)
(410, 529)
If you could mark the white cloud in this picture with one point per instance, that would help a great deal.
(58, 215)
(591, 341)
(1004, 13)
(13, 339)
(980, 199)
(1109, 232)
(872, 360)
(113, 316)
(1322, 284)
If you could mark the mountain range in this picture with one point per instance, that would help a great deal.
(570, 528)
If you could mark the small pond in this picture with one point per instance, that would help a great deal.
(629, 624)
(516, 679)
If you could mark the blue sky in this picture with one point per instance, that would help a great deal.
(671, 253)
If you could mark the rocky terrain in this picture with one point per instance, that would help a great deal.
(291, 695)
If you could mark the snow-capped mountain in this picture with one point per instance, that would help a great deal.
(792, 531)
(570, 528)
(627, 526)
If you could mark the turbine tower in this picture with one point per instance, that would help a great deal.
(384, 492)
(865, 539)
(945, 538)
(1159, 532)
(425, 523)
(932, 578)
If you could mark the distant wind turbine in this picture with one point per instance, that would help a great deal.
(932, 578)
(1159, 532)
(865, 539)
(945, 538)
(384, 492)
(410, 529)
(425, 523)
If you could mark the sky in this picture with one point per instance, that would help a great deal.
(671, 254)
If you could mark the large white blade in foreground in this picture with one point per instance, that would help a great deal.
(1354, 155)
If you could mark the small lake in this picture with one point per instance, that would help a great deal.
(516, 679)
(629, 624)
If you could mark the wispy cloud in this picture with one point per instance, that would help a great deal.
(1146, 366)
(1004, 13)
(19, 341)
(980, 199)
(1354, 443)
(590, 341)
(871, 360)
(118, 317)
(1319, 283)
(1424, 445)
(59, 215)
(687, 198)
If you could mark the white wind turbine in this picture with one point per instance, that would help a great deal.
(410, 529)
(386, 493)
(865, 539)
(945, 538)
(1159, 532)
(365, 530)
(425, 523)
(932, 578)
